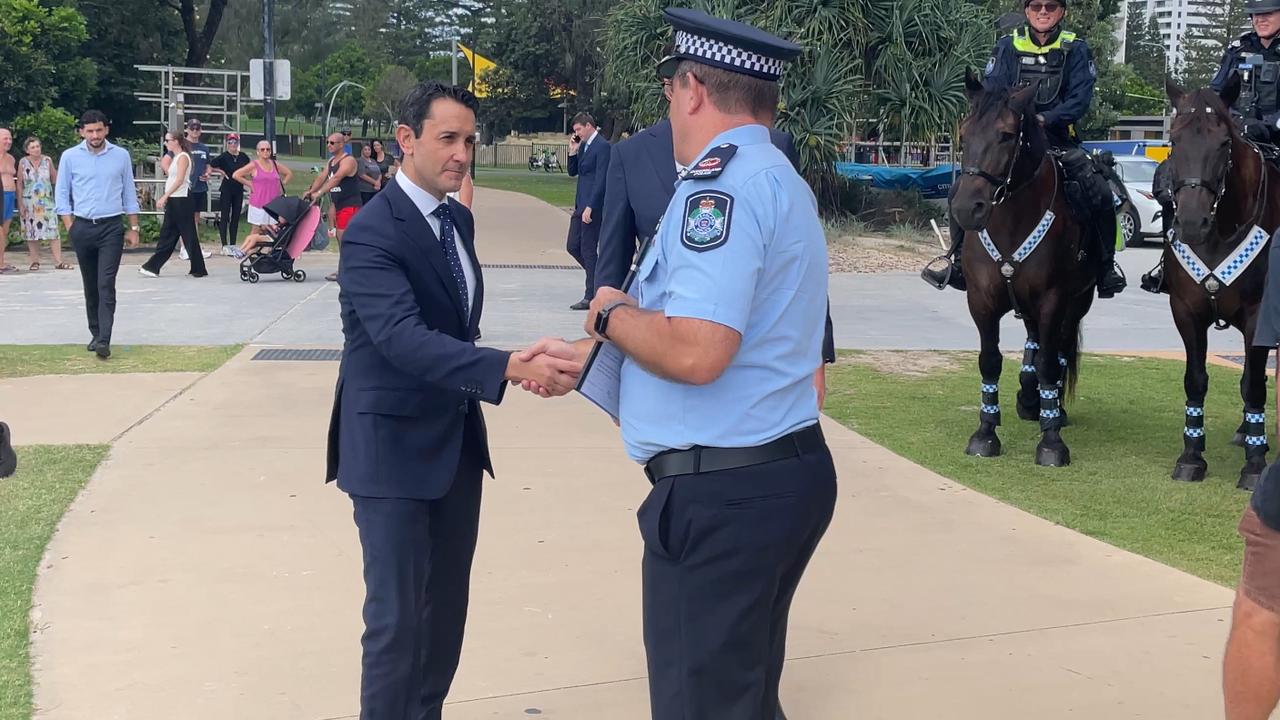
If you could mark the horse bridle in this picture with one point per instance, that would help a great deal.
(1002, 186)
(1197, 182)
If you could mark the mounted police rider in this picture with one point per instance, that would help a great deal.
(1041, 51)
(1256, 56)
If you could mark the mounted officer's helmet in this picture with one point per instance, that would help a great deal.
(1253, 7)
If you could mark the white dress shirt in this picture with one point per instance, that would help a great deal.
(426, 204)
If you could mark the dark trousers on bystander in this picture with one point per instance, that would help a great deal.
(230, 207)
(179, 222)
(98, 249)
(584, 242)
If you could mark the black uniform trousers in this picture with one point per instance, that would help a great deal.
(723, 555)
(584, 245)
(230, 209)
(179, 222)
(98, 249)
(417, 577)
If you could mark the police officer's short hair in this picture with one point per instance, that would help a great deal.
(732, 92)
(583, 118)
(416, 106)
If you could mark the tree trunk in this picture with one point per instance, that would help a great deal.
(199, 39)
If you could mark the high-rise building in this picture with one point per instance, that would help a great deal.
(1175, 18)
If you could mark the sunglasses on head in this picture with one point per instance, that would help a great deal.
(1050, 7)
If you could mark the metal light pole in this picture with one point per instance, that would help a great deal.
(335, 90)
(269, 73)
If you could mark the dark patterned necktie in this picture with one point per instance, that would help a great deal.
(445, 215)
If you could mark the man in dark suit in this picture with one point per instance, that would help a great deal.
(407, 440)
(589, 162)
(640, 183)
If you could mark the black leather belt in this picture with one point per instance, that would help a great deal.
(100, 220)
(700, 459)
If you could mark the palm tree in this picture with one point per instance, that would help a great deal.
(912, 52)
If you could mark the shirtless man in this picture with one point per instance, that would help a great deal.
(9, 204)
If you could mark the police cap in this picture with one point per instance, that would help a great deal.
(1253, 7)
(725, 44)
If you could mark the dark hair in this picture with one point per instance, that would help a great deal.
(415, 108)
(94, 116)
(183, 142)
(732, 92)
(583, 118)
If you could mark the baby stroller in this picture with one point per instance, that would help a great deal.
(298, 222)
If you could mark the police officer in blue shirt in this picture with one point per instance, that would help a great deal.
(722, 334)
(1042, 52)
(1255, 55)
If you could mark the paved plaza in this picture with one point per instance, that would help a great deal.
(207, 573)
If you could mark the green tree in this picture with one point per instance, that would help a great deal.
(55, 127)
(40, 57)
(1128, 94)
(382, 99)
(1144, 51)
(350, 62)
(200, 35)
(1204, 44)
(898, 63)
(122, 34)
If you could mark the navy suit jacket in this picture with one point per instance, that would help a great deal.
(411, 375)
(590, 166)
(641, 182)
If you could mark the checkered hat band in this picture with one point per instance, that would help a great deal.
(721, 53)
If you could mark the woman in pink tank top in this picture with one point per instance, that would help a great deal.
(265, 180)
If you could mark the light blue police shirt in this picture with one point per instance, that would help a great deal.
(746, 250)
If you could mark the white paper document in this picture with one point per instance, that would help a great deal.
(601, 380)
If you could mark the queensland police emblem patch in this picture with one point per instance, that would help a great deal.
(706, 225)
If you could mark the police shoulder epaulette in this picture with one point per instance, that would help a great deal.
(711, 164)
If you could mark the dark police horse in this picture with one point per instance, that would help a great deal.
(1227, 204)
(1025, 253)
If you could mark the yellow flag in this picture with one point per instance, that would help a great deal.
(480, 65)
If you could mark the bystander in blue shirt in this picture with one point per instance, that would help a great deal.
(95, 185)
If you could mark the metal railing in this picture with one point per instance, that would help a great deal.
(912, 154)
(520, 156)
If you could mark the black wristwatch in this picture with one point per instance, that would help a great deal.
(602, 320)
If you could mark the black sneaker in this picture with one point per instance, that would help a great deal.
(8, 458)
(93, 345)
(1112, 284)
(103, 350)
(581, 305)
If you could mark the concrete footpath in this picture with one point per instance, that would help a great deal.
(221, 579)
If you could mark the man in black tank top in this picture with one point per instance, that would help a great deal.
(340, 183)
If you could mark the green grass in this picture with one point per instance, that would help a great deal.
(1125, 436)
(32, 502)
(554, 188)
(29, 360)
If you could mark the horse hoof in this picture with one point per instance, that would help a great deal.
(1248, 479)
(1238, 440)
(1053, 456)
(983, 446)
(1186, 472)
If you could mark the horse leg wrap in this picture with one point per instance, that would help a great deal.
(1255, 432)
(1193, 435)
(1029, 357)
(990, 403)
(1050, 408)
(1062, 370)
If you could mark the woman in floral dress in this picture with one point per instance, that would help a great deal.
(36, 176)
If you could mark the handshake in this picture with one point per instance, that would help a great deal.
(551, 366)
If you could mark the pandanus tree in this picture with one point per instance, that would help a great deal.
(895, 64)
